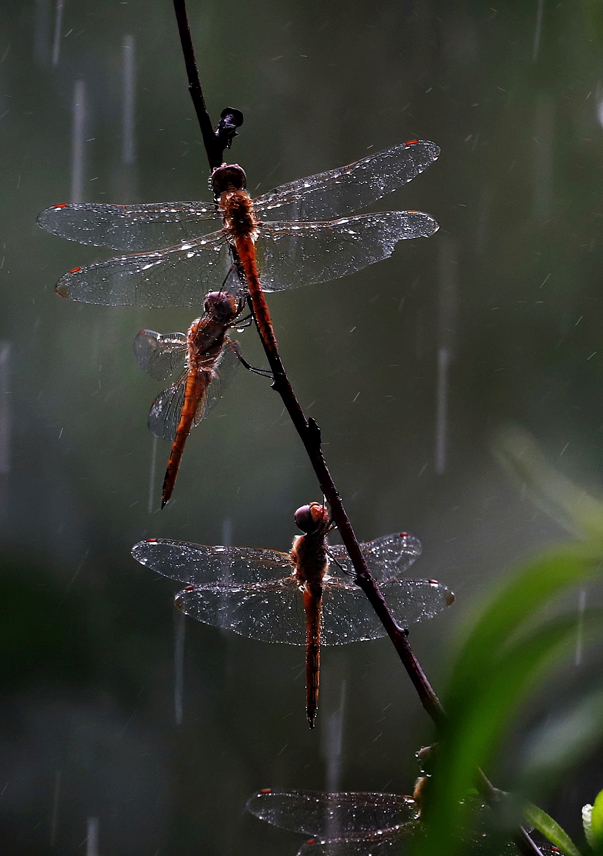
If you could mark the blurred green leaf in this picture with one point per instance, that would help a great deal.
(571, 506)
(503, 658)
(596, 823)
(551, 830)
(561, 742)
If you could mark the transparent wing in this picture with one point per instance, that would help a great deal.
(347, 615)
(160, 354)
(130, 228)
(223, 372)
(348, 188)
(271, 610)
(178, 276)
(165, 411)
(195, 564)
(379, 844)
(387, 558)
(323, 814)
(294, 254)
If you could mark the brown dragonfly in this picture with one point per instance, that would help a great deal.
(367, 824)
(209, 358)
(287, 237)
(305, 597)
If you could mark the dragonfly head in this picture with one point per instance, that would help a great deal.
(313, 518)
(221, 306)
(229, 176)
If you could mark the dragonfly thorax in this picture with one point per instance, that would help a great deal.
(239, 218)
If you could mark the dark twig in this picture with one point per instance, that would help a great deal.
(214, 141)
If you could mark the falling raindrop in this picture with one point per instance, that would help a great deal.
(152, 476)
(54, 821)
(78, 141)
(42, 32)
(179, 645)
(5, 408)
(92, 836)
(538, 32)
(544, 128)
(580, 628)
(58, 25)
(446, 335)
(128, 140)
(332, 743)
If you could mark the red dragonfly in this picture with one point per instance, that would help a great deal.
(305, 246)
(305, 597)
(209, 357)
(367, 824)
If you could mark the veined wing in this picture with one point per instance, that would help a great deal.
(322, 814)
(269, 610)
(160, 354)
(294, 254)
(387, 843)
(195, 564)
(347, 188)
(347, 615)
(178, 276)
(165, 411)
(222, 373)
(130, 228)
(387, 557)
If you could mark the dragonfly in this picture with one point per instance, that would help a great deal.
(304, 597)
(286, 237)
(366, 824)
(209, 358)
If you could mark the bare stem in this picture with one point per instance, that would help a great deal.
(214, 141)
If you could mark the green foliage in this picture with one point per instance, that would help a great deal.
(510, 647)
(551, 830)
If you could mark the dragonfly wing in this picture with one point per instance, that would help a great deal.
(195, 564)
(271, 610)
(294, 254)
(160, 354)
(177, 276)
(130, 228)
(380, 844)
(322, 814)
(387, 558)
(165, 411)
(347, 615)
(347, 188)
(223, 372)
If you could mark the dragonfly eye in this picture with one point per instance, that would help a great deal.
(229, 176)
(311, 518)
(221, 305)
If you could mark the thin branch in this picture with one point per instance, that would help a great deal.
(214, 141)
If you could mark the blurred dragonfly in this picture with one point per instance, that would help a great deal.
(305, 597)
(366, 824)
(176, 262)
(209, 358)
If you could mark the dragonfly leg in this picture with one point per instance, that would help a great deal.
(237, 351)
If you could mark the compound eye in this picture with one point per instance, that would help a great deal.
(311, 517)
(303, 518)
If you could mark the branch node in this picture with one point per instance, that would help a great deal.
(314, 435)
(230, 120)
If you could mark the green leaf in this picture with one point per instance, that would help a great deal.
(551, 830)
(561, 742)
(478, 718)
(571, 506)
(596, 823)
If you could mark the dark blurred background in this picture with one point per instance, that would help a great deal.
(410, 367)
